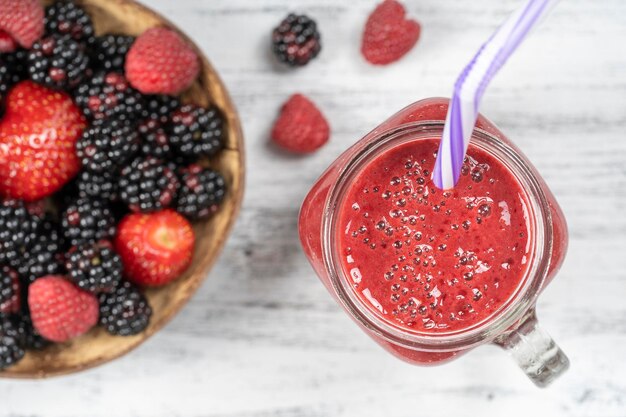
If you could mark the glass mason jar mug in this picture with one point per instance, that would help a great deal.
(513, 324)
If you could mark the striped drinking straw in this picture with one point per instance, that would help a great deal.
(471, 84)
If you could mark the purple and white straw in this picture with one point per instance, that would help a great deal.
(470, 87)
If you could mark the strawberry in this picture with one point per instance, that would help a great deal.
(23, 20)
(7, 43)
(59, 309)
(38, 135)
(388, 34)
(155, 248)
(301, 127)
(161, 62)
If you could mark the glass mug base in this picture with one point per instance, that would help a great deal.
(429, 307)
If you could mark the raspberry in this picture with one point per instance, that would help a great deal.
(94, 267)
(7, 43)
(87, 221)
(59, 310)
(147, 184)
(107, 145)
(108, 95)
(296, 41)
(197, 132)
(109, 52)
(23, 20)
(57, 62)
(301, 127)
(201, 192)
(161, 62)
(388, 34)
(125, 311)
(67, 19)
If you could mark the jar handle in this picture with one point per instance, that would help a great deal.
(534, 351)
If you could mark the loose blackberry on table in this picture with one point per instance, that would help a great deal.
(296, 41)
(201, 192)
(148, 184)
(109, 95)
(109, 52)
(107, 145)
(197, 132)
(125, 311)
(57, 62)
(11, 343)
(86, 221)
(94, 267)
(97, 185)
(66, 18)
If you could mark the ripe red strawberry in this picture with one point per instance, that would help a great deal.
(60, 310)
(38, 137)
(301, 127)
(161, 62)
(23, 20)
(155, 248)
(388, 35)
(7, 43)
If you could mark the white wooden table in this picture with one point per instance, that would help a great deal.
(262, 337)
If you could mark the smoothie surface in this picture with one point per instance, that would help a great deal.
(429, 260)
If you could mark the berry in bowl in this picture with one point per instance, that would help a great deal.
(121, 174)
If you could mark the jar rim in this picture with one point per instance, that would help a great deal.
(510, 312)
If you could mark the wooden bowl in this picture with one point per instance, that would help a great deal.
(97, 346)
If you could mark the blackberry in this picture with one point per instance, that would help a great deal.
(44, 256)
(57, 62)
(94, 267)
(9, 290)
(18, 229)
(87, 221)
(155, 140)
(11, 343)
(107, 145)
(197, 132)
(147, 184)
(97, 185)
(12, 70)
(124, 312)
(67, 19)
(296, 41)
(201, 192)
(109, 52)
(30, 338)
(109, 95)
(159, 107)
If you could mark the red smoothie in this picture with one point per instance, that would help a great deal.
(418, 270)
(431, 261)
